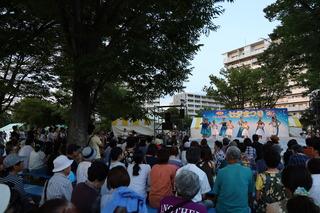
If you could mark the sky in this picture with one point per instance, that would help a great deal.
(242, 23)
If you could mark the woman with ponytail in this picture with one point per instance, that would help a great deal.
(139, 174)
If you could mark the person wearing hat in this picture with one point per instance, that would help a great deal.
(58, 186)
(88, 155)
(13, 164)
(187, 185)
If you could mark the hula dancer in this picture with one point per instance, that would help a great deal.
(240, 122)
(260, 128)
(205, 128)
(215, 131)
(275, 123)
(245, 132)
(230, 127)
(223, 128)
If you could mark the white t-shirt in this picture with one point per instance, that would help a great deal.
(204, 183)
(314, 192)
(25, 152)
(82, 171)
(116, 163)
(139, 183)
(95, 142)
(37, 160)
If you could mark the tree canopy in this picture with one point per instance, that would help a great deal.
(243, 87)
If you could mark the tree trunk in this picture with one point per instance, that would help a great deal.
(80, 113)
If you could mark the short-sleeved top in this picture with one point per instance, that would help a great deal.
(94, 143)
(232, 186)
(139, 183)
(171, 201)
(37, 160)
(204, 182)
(161, 182)
(82, 171)
(84, 197)
(25, 152)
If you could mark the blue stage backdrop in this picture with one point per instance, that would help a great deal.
(265, 122)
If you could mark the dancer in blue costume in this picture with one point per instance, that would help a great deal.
(223, 128)
(240, 122)
(205, 128)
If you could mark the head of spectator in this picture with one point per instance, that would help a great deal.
(88, 154)
(174, 151)
(313, 166)
(13, 163)
(242, 147)
(294, 177)
(187, 184)
(117, 177)
(206, 154)
(297, 149)
(233, 155)
(247, 142)
(58, 206)
(218, 145)
(193, 155)
(194, 144)
(292, 143)
(73, 152)
(255, 138)
(163, 156)
(204, 142)
(62, 165)
(152, 150)
(272, 158)
(302, 203)
(138, 158)
(225, 141)
(116, 154)
(274, 139)
(97, 174)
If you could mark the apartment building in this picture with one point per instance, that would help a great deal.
(195, 102)
(247, 55)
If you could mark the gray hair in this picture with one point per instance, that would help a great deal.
(233, 153)
(187, 184)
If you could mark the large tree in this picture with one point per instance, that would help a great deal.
(146, 45)
(296, 40)
(243, 87)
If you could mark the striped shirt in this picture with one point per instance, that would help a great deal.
(16, 182)
(58, 186)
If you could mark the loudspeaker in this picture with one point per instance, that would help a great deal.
(167, 117)
(181, 113)
(167, 126)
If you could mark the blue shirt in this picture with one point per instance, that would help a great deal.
(233, 185)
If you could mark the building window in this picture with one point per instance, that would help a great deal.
(197, 96)
(190, 95)
(190, 100)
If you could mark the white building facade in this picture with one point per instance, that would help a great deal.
(195, 102)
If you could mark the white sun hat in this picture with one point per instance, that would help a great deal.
(4, 197)
(61, 162)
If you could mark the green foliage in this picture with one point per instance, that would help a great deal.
(38, 112)
(297, 43)
(181, 123)
(5, 119)
(243, 87)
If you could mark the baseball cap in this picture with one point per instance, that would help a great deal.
(11, 160)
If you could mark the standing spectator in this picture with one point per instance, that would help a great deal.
(270, 191)
(86, 195)
(25, 152)
(139, 174)
(58, 186)
(193, 157)
(116, 156)
(15, 135)
(289, 152)
(187, 185)
(37, 160)
(258, 147)
(151, 155)
(51, 137)
(225, 143)
(298, 158)
(314, 169)
(250, 151)
(129, 150)
(94, 141)
(234, 185)
(207, 165)
(112, 144)
(219, 155)
(73, 153)
(174, 157)
(88, 155)
(161, 187)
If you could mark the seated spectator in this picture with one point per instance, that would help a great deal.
(193, 157)
(118, 181)
(86, 195)
(58, 186)
(73, 153)
(275, 143)
(58, 206)
(302, 203)
(88, 155)
(139, 174)
(298, 158)
(151, 155)
(289, 152)
(244, 159)
(204, 143)
(296, 176)
(206, 164)
(219, 155)
(174, 157)
(258, 146)
(270, 191)
(161, 187)
(116, 156)
(261, 165)
(234, 185)
(37, 160)
(250, 151)
(25, 152)
(187, 185)
(314, 168)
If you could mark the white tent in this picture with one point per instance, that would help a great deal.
(8, 128)
(143, 127)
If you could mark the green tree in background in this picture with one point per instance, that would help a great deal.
(243, 87)
(296, 40)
